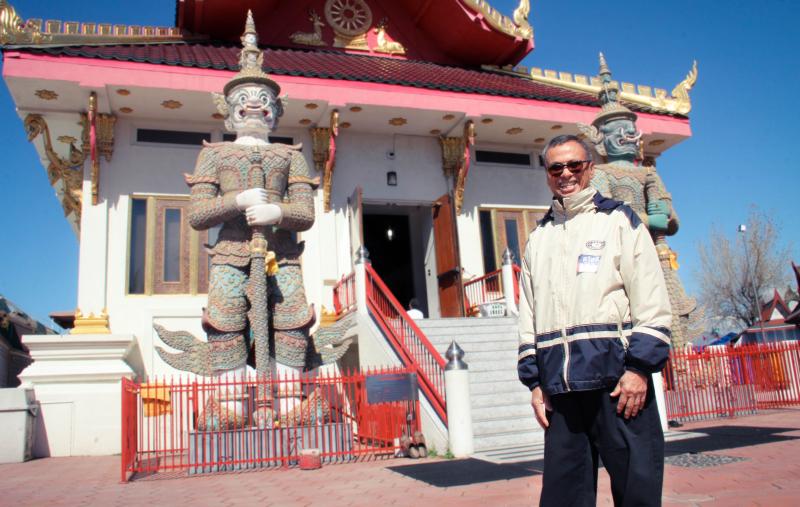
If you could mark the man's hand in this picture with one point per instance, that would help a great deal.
(632, 391)
(263, 214)
(252, 197)
(540, 404)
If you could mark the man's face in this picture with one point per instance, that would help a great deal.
(621, 140)
(252, 109)
(562, 180)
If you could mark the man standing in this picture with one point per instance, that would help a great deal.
(594, 324)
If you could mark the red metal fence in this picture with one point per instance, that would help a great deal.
(217, 424)
(726, 381)
(408, 340)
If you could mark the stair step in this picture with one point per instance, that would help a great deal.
(533, 436)
(490, 413)
(465, 322)
(497, 388)
(517, 394)
(479, 377)
(493, 426)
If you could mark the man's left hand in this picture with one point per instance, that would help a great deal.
(632, 392)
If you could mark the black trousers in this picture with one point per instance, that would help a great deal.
(585, 424)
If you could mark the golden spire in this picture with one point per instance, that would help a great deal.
(251, 60)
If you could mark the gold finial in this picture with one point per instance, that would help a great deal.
(251, 61)
(603, 65)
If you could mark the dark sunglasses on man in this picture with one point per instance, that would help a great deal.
(574, 166)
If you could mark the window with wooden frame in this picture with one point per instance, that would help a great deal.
(503, 228)
(166, 256)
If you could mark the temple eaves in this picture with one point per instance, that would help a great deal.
(677, 102)
(15, 32)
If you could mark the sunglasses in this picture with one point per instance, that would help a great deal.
(574, 166)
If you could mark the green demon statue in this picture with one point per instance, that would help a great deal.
(616, 137)
(261, 195)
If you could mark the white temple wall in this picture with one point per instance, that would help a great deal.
(497, 186)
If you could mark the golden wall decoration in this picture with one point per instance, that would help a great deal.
(398, 122)
(518, 27)
(313, 38)
(677, 102)
(104, 140)
(171, 104)
(46, 94)
(323, 141)
(455, 160)
(65, 175)
(350, 20)
(383, 44)
(91, 324)
(14, 31)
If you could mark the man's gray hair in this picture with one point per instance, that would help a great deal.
(564, 139)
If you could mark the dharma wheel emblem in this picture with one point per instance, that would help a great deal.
(348, 17)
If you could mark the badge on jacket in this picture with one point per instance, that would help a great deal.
(588, 263)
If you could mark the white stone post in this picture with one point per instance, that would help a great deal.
(362, 259)
(508, 283)
(661, 402)
(459, 411)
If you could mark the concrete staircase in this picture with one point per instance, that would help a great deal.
(503, 424)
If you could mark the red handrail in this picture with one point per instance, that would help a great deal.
(344, 295)
(484, 289)
(410, 343)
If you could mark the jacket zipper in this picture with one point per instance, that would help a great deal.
(563, 329)
(620, 329)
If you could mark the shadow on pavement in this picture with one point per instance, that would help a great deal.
(728, 437)
(461, 472)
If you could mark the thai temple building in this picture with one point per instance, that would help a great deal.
(425, 143)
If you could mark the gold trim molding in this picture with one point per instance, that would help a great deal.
(517, 27)
(14, 31)
(677, 102)
(91, 324)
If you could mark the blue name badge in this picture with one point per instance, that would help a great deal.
(588, 263)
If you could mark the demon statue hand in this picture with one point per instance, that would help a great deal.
(261, 196)
(616, 137)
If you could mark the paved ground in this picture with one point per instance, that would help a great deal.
(751, 460)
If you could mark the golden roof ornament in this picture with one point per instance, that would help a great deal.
(251, 61)
(609, 98)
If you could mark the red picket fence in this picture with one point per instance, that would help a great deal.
(207, 424)
(727, 381)
(344, 295)
(410, 343)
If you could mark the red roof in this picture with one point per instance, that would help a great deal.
(341, 66)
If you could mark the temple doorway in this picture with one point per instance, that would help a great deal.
(398, 239)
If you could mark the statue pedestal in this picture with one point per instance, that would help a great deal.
(76, 379)
(222, 451)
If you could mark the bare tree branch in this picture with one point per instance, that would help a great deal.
(734, 269)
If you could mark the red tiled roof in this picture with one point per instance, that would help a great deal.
(337, 65)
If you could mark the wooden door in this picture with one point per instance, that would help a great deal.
(448, 261)
(355, 214)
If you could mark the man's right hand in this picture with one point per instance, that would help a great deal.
(251, 197)
(540, 404)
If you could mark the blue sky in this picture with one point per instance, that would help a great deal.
(745, 120)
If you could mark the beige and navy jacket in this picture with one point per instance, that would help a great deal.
(593, 300)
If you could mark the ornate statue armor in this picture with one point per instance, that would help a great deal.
(615, 137)
(261, 195)
(223, 170)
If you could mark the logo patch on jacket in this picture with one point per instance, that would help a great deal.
(595, 244)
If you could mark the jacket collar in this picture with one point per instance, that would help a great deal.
(572, 205)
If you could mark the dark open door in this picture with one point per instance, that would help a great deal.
(355, 215)
(448, 261)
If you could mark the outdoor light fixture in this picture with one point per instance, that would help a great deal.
(389, 233)
(391, 180)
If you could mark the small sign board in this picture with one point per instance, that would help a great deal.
(388, 387)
